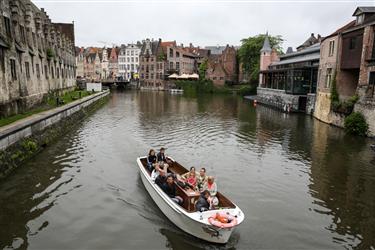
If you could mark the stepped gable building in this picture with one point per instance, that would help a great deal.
(36, 56)
(289, 81)
(151, 64)
(159, 60)
(113, 63)
(222, 68)
(348, 58)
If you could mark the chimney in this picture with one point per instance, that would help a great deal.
(191, 45)
(159, 40)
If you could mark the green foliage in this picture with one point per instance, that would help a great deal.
(249, 53)
(161, 57)
(29, 146)
(247, 90)
(202, 69)
(50, 53)
(356, 124)
(201, 86)
(334, 94)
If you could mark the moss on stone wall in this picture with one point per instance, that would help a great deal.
(15, 155)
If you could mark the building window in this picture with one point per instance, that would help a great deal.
(177, 66)
(52, 72)
(372, 78)
(7, 27)
(57, 73)
(136, 59)
(27, 68)
(331, 48)
(152, 67)
(132, 59)
(171, 65)
(2, 59)
(37, 71)
(170, 52)
(152, 76)
(46, 71)
(23, 35)
(13, 69)
(328, 78)
(132, 67)
(352, 42)
(177, 54)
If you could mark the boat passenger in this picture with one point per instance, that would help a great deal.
(192, 180)
(170, 189)
(161, 155)
(201, 179)
(203, 203)
(162, 161)
(161, 179)
(151, 160)
(212, 188)
(187, 174)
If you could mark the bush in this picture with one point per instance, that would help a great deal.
(356, 124)
(247, 90)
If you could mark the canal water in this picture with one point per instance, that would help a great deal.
(301, 183)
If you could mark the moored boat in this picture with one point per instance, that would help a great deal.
(185, 216)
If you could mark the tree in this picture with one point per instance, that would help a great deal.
(249, 53)
(202, 69)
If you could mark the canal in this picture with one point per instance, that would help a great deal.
(301, 183)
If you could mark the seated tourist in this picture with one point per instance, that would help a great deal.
(211, 187)
(201, 179)
(169, 188)
(203, 203)
(161, 179)
(187, 174)
(151, 160)
(192, 180)
(161, 155)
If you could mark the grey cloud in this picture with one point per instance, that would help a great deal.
(200, 23)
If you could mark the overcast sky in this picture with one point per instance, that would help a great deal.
(205, 22)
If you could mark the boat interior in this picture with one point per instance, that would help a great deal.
(189, 195)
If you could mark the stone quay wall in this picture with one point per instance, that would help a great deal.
(280, 100)
(23, 139)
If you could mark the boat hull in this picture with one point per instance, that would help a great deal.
(194, 227)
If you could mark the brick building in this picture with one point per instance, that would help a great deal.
(349, 55)
(151, 64)
(222, 68)
(159, 60)
(36, 56)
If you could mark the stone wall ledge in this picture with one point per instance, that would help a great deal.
(12, 133)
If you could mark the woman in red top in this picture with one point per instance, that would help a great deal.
(192, 179)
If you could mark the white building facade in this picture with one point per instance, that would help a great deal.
(122, 66)
(132, 52)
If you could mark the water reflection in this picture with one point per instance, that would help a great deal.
(301, 183)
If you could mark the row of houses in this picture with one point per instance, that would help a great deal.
(341, 64)
(98, 64)
(37, 56)
(153, 61)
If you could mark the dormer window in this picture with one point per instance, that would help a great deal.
(360, 19)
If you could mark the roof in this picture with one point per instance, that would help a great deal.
(343, 28)
(216, 50)
(168, 43)
(307, 54)
(154, 45)
(364, 9)
(310, 41)
(266, 45)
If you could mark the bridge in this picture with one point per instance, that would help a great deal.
(115, 83)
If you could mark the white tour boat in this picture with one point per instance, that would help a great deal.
(199, 224)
